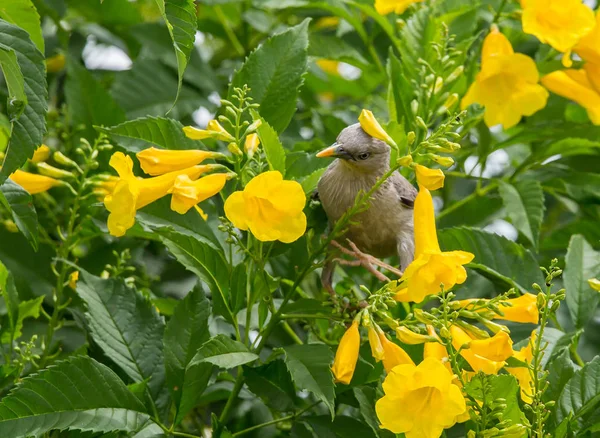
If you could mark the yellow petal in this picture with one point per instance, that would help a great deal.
(55, 63)
(346, 355)
(122, 164)
(376, 348)
(424, 224)
(32, 182)
(588, 47)
(155, 161)
(594, 284)
(431, 179)
(292, 229)
(41, 154)
(329, 66)
(121, 205)
(411, 338)
(371, 126)
(73, 278)
(495, 44)
(393, 355)
(236, 210)
(522, 309)
(187, 193)
(195, 133)
(575, 85)
(251, 144)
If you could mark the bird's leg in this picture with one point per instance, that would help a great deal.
(365, 260)
(327, 278)
(374, 260)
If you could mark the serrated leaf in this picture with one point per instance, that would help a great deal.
(224, 352)
(13, 77)
(207, 263)
(136, 135)
(309, 184)
(26, 309)
(127, 328)
(560, 370)
(400, 93)
(581, 393)
(180, 18)
(238, 287)
(581, 263)
(24, 14)
(497, 258)
(149, 88)
(416, 39)
(274, 74)
(272, 383)
(330, 47)
(524, 203)
(78, 393)
(89, 103)
(28, 130)
(310, 368)
(20, 204)
(11, 301)
(499, 386)
(272, 146)
(185, 333)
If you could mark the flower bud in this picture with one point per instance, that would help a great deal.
(541, 301)
(61, 158)
(375, 343)
(251, 144)
(411, 338)
(414, 106)
(458, 71)
(234, 149)
(346, 355)
(255, 125)
(422, 316)
(42, 153)
(410, 138)
(54, 172)
(439, 84)
(421, 123)
(405, 161)
(10, 226)
(555, 306)
(442, 161)
(445, 333)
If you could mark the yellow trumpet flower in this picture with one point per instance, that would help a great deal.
(188, 193)
(32, 182)
(431, 179)
(155, 161)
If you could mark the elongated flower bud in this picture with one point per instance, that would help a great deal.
(346, 355)
(375, 343)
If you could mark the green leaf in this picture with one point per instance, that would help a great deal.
(89, 103)
(20, 203)
(499, 386)
(145, 132)
(238, 285)
(400, 93)
(224, 352)
(341, 427)
(366, 397)
(274, 74)
(330, 47)
(149, 88)
(14, 79)
(27, 309)
(11, 301)
(24, 14)
(309, 184)
(273, 384)
(497, 258)
(28, 130)
(180, 18)
(581, 264)
(307, 306)
(185, 333)
(310, 367)
(560, 370)
(524, 203)
(127, 328)
(273, 148)
(416, 39)
(581, 393)
(78, 393)
(207, 263)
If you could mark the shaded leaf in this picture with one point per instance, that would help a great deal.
(309, 366)
(273, 72)
(54, 399)
(207, 263)
(497, 258)
(223, 352)
(14, 79)
(28, 130)
(524, 203)
(20, 203)
(582, 263)
(581, 393)
(180, 18)
(145, 132)
(185, 333)
(24, 14)
(127, 328)
(272, 383)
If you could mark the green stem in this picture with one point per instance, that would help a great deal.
(237, 387)
(467, 199)
(278, 420)
(290, 331)
(235, 42)
(499, 12)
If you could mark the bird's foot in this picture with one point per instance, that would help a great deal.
(367, 261)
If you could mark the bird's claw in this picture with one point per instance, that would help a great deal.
(365, 260)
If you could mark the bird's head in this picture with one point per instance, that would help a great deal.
(357, 149)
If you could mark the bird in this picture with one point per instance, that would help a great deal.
(385, 228)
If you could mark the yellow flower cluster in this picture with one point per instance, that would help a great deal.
(175, 172)
(507, 84)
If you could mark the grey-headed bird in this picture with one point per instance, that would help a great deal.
(386, 227)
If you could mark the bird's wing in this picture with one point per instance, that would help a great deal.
(405, 190)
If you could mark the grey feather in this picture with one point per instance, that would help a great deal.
(386, 227)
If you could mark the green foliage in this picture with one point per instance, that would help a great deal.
(189, 325)
(28, 123)
(106, 404)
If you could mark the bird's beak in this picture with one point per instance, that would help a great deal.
(332, 151)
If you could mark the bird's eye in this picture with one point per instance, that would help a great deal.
(364, 156)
